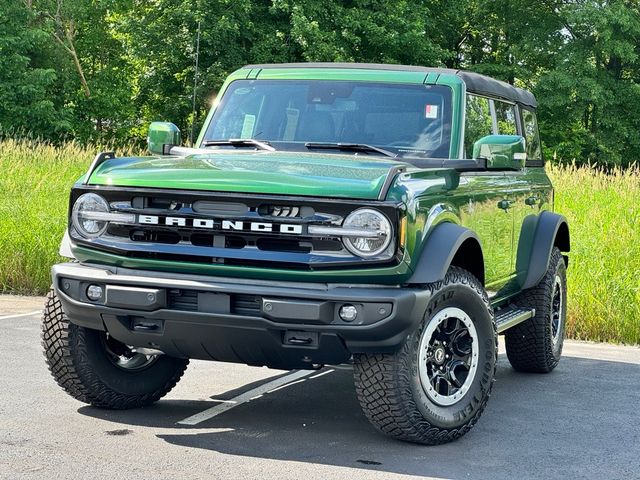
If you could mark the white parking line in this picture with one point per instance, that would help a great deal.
(322, 373)
(344, 367)
(282, 387)
(30, 314)
(245, 397)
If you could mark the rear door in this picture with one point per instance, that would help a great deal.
(531, 190)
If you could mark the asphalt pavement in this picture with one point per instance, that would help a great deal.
(227, 421)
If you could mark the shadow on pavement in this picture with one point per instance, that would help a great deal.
(579, 421)
(167, 412)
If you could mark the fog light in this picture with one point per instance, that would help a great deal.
(94, 292)
(348, 313)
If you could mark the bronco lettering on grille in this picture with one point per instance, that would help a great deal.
(228, 225)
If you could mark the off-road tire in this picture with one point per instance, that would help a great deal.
(77, 360)
(388, 385)
(530, 346)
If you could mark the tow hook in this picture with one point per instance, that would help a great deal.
(301, 338)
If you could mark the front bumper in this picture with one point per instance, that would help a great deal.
(278, 324)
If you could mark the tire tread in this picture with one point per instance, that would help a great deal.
(528, 344)
(68, 361)
(383, 385)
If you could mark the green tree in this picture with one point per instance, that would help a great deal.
(101, 70)
(159, 42)
(589, 98)
(362, 31)
(27, 79)
(95, 78)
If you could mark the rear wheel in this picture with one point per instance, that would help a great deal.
(536, 345)
(95, 368)
(434, 389)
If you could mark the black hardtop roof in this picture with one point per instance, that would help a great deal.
(475, 82)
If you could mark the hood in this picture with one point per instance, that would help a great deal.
(280, 173)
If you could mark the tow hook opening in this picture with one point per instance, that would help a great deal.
(146, 325)
(300, 338)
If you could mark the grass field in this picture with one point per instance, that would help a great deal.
(603, 211)
(34, 193)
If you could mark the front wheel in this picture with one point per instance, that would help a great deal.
(95, 368)
(434, 389)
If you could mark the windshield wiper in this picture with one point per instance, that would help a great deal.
(358, 147)
(240, 142)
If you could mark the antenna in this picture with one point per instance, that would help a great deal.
(195, 85)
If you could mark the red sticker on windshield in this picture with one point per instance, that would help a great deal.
(431, 111)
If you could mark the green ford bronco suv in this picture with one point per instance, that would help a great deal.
(395, 217)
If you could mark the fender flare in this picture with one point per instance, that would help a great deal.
(439, 250)
(551, 230)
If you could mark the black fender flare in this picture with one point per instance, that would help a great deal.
(440, 248)
(551, 230)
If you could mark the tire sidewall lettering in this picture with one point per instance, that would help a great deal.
(460, 295)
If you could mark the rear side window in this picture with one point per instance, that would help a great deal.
(530, 125)
(478, 122)
(506, 118)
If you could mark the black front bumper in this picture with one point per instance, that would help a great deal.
(278, 324)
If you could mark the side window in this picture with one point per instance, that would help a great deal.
(478, 122)
(506, 117)
(530, 124)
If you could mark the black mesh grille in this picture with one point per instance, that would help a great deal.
(241, 304)
(184, 300)
(284, 243)
(250, 305)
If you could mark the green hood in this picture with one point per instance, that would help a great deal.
(283, 173)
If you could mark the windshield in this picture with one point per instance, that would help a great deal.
(408, 120)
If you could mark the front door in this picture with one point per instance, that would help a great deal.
(489, 213)
(489, 207)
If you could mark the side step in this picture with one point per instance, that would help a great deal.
(510, 316)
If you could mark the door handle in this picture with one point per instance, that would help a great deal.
(531, 201)
(504, 204)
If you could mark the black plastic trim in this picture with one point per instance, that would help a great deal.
(388, 182)
(239, 338)
(459, 165)
(231, 256)
(200, 194)
(99, 159)
(475, 82)
(546, 231)
(440, 249)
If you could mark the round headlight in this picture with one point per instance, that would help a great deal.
(84, 218)
(374, 221)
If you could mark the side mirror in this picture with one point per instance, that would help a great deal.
(501, 151)
(162, 136)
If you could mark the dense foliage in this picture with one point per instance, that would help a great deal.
(100, 71)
